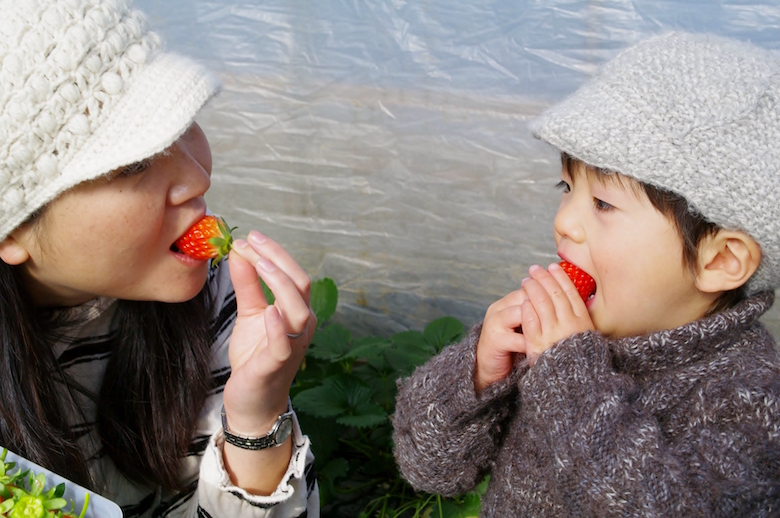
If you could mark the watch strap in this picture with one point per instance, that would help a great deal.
(268, 440)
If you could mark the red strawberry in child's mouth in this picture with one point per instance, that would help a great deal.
(209, 238)
(584, 283)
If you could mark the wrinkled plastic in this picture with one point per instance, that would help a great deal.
(385, 143)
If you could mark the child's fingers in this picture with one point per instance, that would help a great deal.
(542, 300)
(514, 298)
(532, 323)
(555, 291)
(574, 297)
(497, 347)
(250, 299)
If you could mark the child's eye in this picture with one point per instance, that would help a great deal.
(563, 186)
(601, 205)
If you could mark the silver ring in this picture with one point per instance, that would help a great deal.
(296, 335)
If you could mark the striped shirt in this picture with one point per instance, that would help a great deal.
(83, 354)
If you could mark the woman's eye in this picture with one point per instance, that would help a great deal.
(563, 186)
(135, 168)
(601, 205)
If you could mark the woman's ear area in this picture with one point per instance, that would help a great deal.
(727, 260)
(12, 252)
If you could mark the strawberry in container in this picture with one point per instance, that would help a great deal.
(28, 490)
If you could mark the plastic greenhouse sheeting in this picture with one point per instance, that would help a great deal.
(385, 143)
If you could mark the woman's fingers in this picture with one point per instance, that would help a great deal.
(250, 299)
(286, 279)
(266, 247)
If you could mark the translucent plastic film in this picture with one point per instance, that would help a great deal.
(385, 143)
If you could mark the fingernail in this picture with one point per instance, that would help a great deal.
(555, 266)
(257, 238)
(534, 268)
(240, 244)
(524, 280)
(265, 264)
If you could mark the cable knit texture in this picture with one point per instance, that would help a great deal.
(684, 422)
(84, 89)
(695, 114)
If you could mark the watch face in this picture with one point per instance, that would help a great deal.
(284, 431)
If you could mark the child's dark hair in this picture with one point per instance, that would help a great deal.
(691, 226)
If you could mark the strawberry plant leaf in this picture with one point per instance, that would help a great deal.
(412, 340)
(331, 343)
(406, 360)
(324, 299)
(321, 401)
(365, 415)
(370, 348)
(443, 331)
(337, 395)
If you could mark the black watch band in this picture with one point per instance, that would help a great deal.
(279, 433)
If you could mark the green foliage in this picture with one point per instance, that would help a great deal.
(344, 395)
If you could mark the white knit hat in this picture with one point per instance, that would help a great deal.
(84, 89)
(695, 114)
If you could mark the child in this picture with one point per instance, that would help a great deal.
(660, 394)
(122, 359)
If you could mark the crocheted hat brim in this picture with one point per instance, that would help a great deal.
(157, 108)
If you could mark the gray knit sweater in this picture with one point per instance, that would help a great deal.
(684, 422)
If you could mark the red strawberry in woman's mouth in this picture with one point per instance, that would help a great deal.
(209, 238)
(584, 283)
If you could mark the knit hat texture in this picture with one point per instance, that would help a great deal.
(85, 88)
(695, 114)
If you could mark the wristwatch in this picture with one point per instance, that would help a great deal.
(279, 433)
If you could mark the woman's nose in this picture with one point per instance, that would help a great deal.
(190, 166)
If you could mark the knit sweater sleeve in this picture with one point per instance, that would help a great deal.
(590, 442)
(446, 435)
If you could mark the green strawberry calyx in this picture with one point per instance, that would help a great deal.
(222, 243)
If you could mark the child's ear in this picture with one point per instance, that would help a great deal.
(12, 252)
(726, 261)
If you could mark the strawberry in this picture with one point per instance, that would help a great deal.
(209, 238)
(584, 283)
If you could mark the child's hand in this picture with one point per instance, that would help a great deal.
(499, 343)
(553, 310)
(265, 349)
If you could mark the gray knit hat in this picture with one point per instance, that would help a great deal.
(84, 89)
(695, 114)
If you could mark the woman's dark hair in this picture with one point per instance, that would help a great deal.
(691, 226)
(156, 382)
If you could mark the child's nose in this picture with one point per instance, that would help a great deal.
(568, 222)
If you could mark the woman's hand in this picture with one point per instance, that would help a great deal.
(266, 348)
